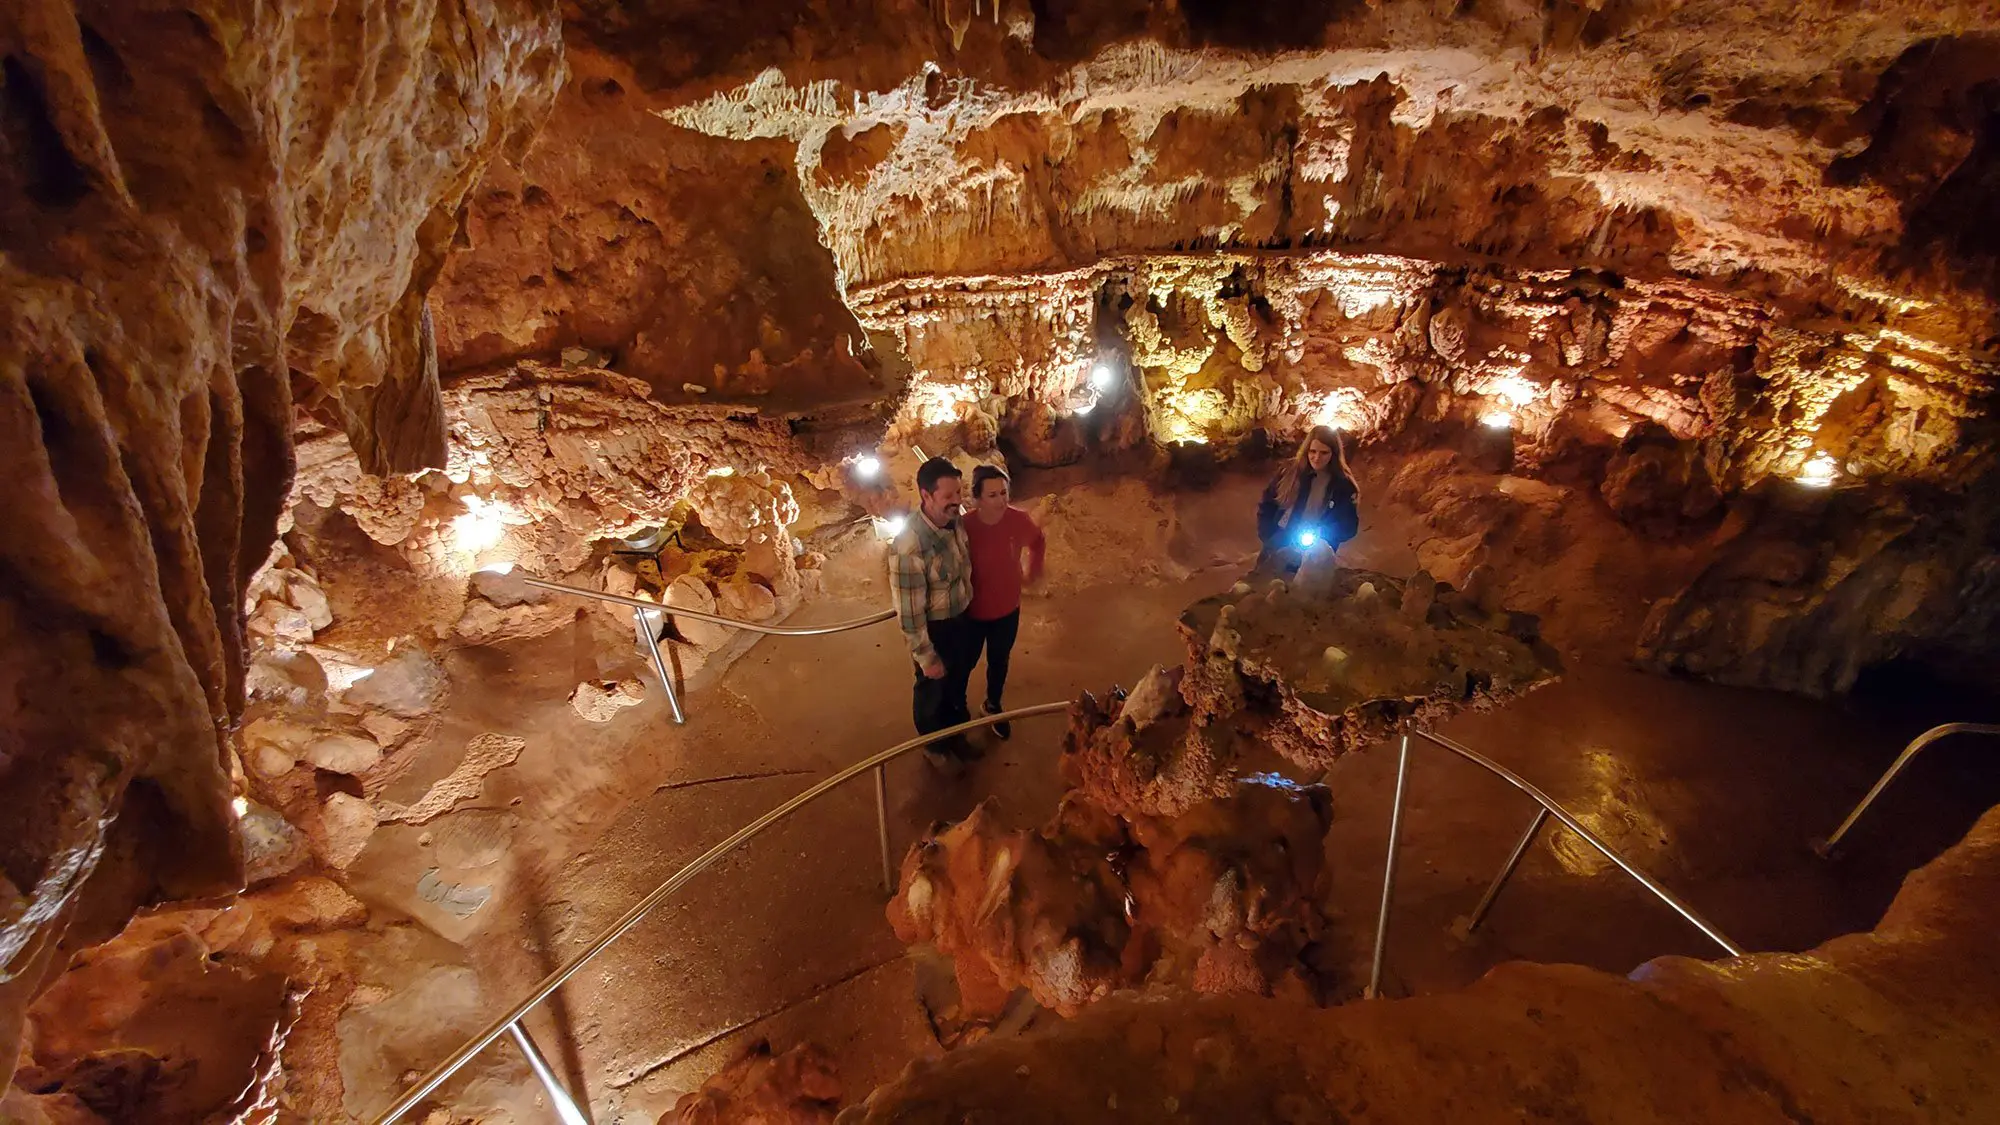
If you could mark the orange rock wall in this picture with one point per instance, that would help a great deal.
(201, 208)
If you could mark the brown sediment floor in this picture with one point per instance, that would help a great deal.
(1715, 791)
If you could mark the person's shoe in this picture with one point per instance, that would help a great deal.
(1001, 731)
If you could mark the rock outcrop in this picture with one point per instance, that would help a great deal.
(196, 204)
(1223, 897)
(1306, 671)
(799, 1087)
(1808, 589)
(1894, 1024)
(546, 461)
(200, 1013)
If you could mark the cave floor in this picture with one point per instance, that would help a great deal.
(1715, 791)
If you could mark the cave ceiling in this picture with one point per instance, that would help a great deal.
(722, 193)
(1811, 151)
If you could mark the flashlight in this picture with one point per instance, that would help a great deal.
(1308, 538)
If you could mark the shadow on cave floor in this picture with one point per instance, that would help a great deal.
(1716, 791)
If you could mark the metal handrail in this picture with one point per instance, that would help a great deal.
(733, 622)
(1548, 808)
(1917, 744)
(644, 624)
(444, 1070)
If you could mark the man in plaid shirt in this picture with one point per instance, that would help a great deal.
(930, 573)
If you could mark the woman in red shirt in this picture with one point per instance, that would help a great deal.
(997, 534)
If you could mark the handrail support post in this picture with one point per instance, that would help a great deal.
(659, 660)
(882, 826)
(559, 1097)
(1521, 847)
(1389, 873)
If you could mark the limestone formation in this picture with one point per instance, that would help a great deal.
(1809, 589)
(545, 462)
(1309, 677)
(599, 701)
(1223, 897)
(798, 1087)
(208, 1012)
(1893, 1024)
(197, 205)
(1707, 289)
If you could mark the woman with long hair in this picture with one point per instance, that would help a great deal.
(1313, 500)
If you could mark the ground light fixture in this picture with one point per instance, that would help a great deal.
(867, 467)
(1497, 420)
(242, 807)
(893, 525)
(1102, 377)
(496, 568)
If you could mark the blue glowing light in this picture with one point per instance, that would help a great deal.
(1308, 538)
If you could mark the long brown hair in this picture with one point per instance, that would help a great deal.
(1288, 481)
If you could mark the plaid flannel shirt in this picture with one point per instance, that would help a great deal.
(930, 575)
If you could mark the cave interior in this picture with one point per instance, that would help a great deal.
(1661, 342)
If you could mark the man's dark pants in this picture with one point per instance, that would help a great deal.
(940, 703)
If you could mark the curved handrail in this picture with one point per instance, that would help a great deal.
(1916, 745)
(732, 622)
(1571, 823)
(444, 1070)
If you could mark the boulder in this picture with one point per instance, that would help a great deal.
(689, 592)
(386, 730)
(270, 762)
(294, 680)
(343, 753)
(346, 823)
(746, 600)
(303, 592)
(271, 846)
(408, 684)
(599, 701)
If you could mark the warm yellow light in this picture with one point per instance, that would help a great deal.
(480, 528)
(938, 404)
(242, 807)
(1819, 472)
(723, 471)
(1497, 420)
(1341, 409)
(1516, 391)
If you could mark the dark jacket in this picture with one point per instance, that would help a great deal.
(1337, 522)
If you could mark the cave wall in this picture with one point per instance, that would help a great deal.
(1684, 250)
(204, 210)
(686, 261)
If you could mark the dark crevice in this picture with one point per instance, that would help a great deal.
(34, 144)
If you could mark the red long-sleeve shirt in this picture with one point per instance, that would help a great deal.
(996, 561)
